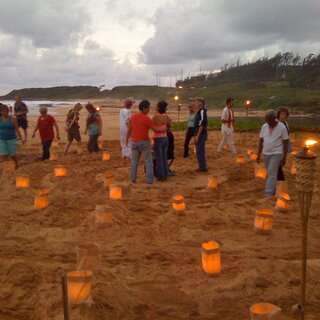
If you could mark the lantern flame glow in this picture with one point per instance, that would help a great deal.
(310, 143)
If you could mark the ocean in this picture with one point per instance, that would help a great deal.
(33, 106)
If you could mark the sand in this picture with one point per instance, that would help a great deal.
(151, 257)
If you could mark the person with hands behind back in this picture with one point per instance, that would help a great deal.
(273, 144)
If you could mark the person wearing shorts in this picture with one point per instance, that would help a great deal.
(20, 111)
(93, 128)
(9, 131)
(73, 127)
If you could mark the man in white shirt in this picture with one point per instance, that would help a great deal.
(227, 127)
(124, 118)
(273, 144)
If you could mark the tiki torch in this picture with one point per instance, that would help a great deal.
(247, 107)
(176, 98)
(306, 169)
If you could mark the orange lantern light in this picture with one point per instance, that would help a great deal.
(9, 166)
(41, 199)
(60, 171)
(263, 220)
(253, 156)
(294, 168)
(88, 257)
(210, 256)
(260, 172)
(79, 286)
(178, 203)
(282, 203)
(239, 159)
(212, 183)
(106, 156)
(22, 181)
(109, 179)
(103, 216)
(249, 151)
(55, 143)
(265, 311)
(115, 192)
(54, 156)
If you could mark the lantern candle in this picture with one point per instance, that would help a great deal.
(265, 311)
(109, 179)
(212, 183)
(103, 216)
(210, 256)
(79, 286)
(294, 168)
(106, 156)
(282, 203)
(253, 156)
(60, 171)
(22, 181)
(41, 199)
(260, 172)
(263, 220)
(240, 159)
(88, 256)
(178, 203)
(55, 144)
(9, 166)
(115, 192)
(54, 156)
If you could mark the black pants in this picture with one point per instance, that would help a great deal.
(189, 136)
(93, 143)
(46, 149)
(280, 176)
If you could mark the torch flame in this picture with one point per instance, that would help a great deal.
(176, 98)
(98, 108)
(247, 102)
(310, 143)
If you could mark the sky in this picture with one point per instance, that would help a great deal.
(45, 43)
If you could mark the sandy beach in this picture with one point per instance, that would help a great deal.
(151, 257)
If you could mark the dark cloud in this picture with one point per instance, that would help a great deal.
(211, 29)
(46, 23)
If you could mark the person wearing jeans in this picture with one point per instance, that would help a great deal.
(274, 146)
(138, 130)
(45, 125)
(161, 122)
(200, 133)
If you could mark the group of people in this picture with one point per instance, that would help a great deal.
(12, 120)
(134, 135)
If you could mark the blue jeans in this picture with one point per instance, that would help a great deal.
(272, 164)
(161, 152)
(46, 149)
(201, 151)
(138, 148)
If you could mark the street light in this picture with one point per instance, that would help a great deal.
(306, 169)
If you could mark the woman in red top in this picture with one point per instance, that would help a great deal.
(45, 125)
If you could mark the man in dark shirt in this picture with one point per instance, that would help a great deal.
(200, 133)
(20, 111)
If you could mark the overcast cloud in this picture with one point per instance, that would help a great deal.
(95, 42)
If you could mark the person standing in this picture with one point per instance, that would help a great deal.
(200, 133)
(190, 131)
(282, 116)
(93, 127)
(227, 127)
(45, 126)
(273, 144)
(125, 116)
(20, 111)
(9, 130)
(138, 130)
(73, 127)
(161, 122)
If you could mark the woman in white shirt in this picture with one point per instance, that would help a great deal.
(125, 115)
(274, 146)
